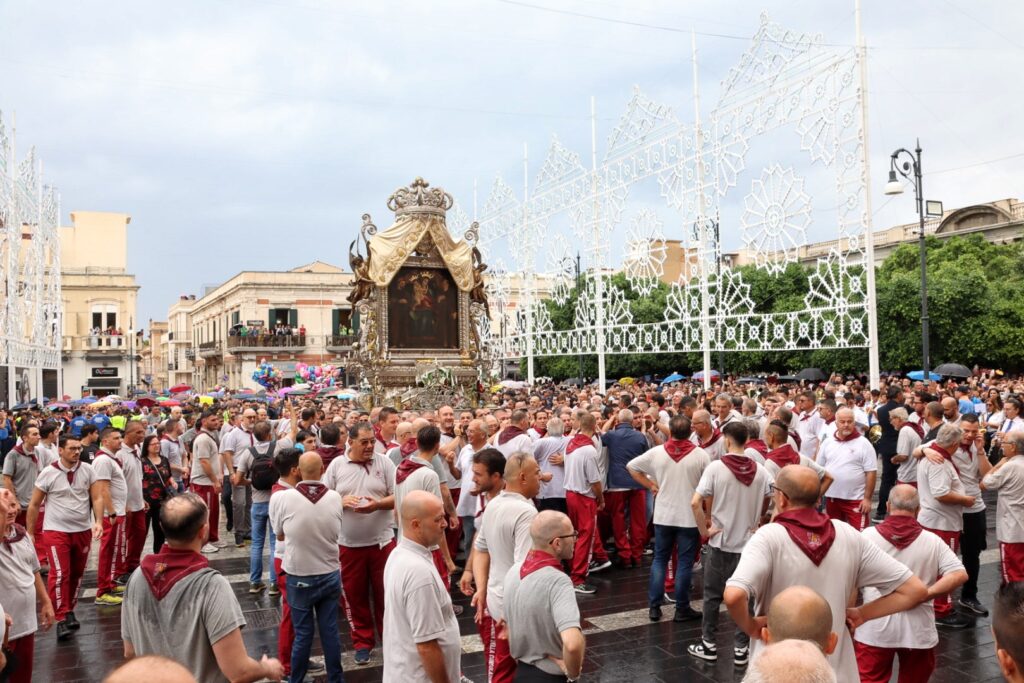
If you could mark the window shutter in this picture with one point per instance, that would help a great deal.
(355, 321)
(335, 322)
(271, 320)
(293, 317)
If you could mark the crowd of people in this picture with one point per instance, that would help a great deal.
(835, 555)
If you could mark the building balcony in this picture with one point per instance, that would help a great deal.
(209, 349)
(340, 343)
(190, 353)
(97, 346)
(268, 343)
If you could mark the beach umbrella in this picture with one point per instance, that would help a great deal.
(918, 375)
(811, 375)
(953, 370)
(674, 377)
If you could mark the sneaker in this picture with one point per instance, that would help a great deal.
(973, 606)
(315, 666)
(239, 542)
(599, 566)
(118, 590)
(122, 580)
(648, 551)
(273, 590)
(877, 520)
(457, 610)
(362, 656)
(670, 599)
(463, 679)
(63, 630)
(72, 621)
(210, 548)
(703, 651)
(584, 588)
(698, 566)
(740, 656)
(257, 587)
(109, 599)
(953, 620)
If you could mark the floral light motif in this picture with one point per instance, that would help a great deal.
(646, 251)
(561, 265)
(775, 221)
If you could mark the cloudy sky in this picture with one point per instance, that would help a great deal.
(252, 134)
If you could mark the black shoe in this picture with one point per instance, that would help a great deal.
(703, 651)
(655, 613)
(72, 622)
(63, 630)
(687, 614)
(123, 579)
(953, 620)
(973, 606)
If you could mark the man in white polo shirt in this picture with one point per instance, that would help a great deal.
(503, 538)
(738, 489)
(584, 498)
(110, 479)
(74, 517)
(851, 460)
(1007, 477)
(415, 473)
(469, 500)
(309, 518)
(22, 465)
(514, 438)
(909, 635)
(206, 474)
(233, 445)
(421, 635)
(135, 506)
(366, 483)
(809, 423)
(671, 472)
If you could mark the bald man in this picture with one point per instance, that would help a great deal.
(799, 613)
(851, 460)
(152, 669)
(704, 434)
(909, 635)
(805, 547)
(421, 635)
(540, 605)
(308, 517)
(791, 661)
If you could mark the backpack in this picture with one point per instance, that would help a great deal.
(263, 474)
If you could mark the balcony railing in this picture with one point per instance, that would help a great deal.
(97, 343)
(263, 342)
(341, 342)
(210, 348)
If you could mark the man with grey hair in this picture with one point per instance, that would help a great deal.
(545, 635)
(1007, 477)
(850, 459)
(625, 498)
(724, 411)
(549, 452)
(943, 500)
(908, 439)
(514, 438)
(705, 436)
(909, 635)
(790, 661)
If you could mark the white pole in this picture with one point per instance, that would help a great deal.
(702, 256)
(526, 277)
(869, 232)
(598, 251)
(38, 334)
(13, 228)
(59, 300)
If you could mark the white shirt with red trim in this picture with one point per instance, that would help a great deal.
(68, 505)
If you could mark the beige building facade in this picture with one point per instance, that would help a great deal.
(99, 298)
(153, 365)
(177, 343)
(242, 322)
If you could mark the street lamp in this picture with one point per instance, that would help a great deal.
(907, 163)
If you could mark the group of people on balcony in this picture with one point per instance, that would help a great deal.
(279, 330)
(108, 332)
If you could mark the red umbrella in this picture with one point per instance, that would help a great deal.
(170, 404)
(146, 402)
(180, 388)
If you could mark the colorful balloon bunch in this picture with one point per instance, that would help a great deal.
(267, 376)
(316, 376)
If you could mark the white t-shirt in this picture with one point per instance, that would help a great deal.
(906, 443)
(312, 530)
(503, 532)
(131, 466)
(736, 508)
(412, 581)
(106, 468)
(523, 442)
(17, 585)
(375, 481)
(774, 469)
(929, 558)
(771, 562)
(934, 481)
(451, 480)
(1008, 480)
(847, 462)
(423, 479)
(970, 474)
(280, 546)
(237, 441)
(68, 505)
(543, 449)
(581, 470)
(466, 507)
(676, 481)
(715, 449)
(808, 426)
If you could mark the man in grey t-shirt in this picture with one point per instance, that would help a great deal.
(540, 605)
(178, 607)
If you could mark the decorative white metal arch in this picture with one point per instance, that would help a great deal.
(30, 314)
(785, 81)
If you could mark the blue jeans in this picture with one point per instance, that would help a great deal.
(685, 538)
(261, 528)
(314, 600)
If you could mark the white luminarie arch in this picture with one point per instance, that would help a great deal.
(786, 83)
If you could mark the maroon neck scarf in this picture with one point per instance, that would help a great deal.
(678, 449)
(409, 447)
(742, 467)
(715, 436)
(899, 530)
(946, 455)
(312, 490)
(759, 446)
(508, 434)
(14, 534)
(812, 532)
(796, 438)
(783, 455)
(537, 560)
(380, 437)
(578, 441)
(70, 473)
(541, 432)
(21, 451)
(405, 468)
(914, 426)
(853, 435)
(166, 568)
(329, 453)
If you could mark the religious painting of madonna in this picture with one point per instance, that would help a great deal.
(423, 310)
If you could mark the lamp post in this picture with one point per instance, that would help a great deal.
(907, 164)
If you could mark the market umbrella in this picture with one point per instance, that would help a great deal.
(180, 388)
(674, 377)
(953, 370)
(811, 375)
(918, 375)
(700, 375)
(146, 402)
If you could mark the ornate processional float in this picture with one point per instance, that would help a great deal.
(420, 298)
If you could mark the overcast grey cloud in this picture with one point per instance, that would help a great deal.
(245, 134)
